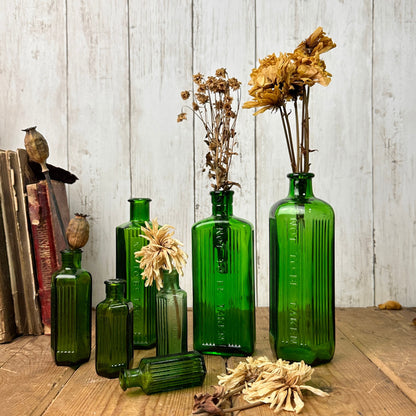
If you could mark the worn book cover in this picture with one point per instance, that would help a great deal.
(18, 247)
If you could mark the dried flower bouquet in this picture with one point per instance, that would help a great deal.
(288, 77)
(216, 103)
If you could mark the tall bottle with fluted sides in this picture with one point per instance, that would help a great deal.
(128, 241)
(223, 281)
(71, 311)
(172, 319)
(302, 320)
(114, 331)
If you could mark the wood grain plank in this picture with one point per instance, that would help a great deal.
(162, 149)
(88, 393)
(33, 74)
(355, 384)
(394, 150)
(30, 379)
(340, 130)
(98, 127)
(387, 338)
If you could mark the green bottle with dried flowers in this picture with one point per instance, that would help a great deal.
(162, 261)
(301, 226)
(71, 300)
(128, 241)
(222, 244)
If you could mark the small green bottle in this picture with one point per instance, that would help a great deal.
(114, 331)
(128, 241)
(71, 311)
(173, 372)
(171, 316)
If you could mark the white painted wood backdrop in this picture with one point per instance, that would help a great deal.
(101, 79)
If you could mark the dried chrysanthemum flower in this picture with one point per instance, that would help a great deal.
(162, 253)
(316, 43)
(276, 383)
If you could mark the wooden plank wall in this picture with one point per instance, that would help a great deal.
(101, 80)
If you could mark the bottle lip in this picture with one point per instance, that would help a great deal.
(305, 175)
(138, 199)
(71, 250)
(229, 192)
(115, 282)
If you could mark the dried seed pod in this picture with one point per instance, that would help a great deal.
(36, 146)
(78, 231)
(390, 304)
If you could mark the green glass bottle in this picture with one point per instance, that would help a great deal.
(173, 372)
(128, 241)
(171, 315)
(71, 311)
(114, 331)
(223, 281)
(302, 319)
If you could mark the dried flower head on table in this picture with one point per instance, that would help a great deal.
(260, 381)
(162, 253)
(216, 103)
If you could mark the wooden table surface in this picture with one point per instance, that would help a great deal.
(373, 373)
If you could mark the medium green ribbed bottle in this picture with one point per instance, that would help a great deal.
(302, 319)
(114, 331)
(128, 241)
(172, 319)
(223, 281)
(172, 372)
(71, 311)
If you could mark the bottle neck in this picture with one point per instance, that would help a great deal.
(170, 280)
(139, 209)
(222, 203)
(115, 289)
(300, 185)
(131, 378)
(71, 258)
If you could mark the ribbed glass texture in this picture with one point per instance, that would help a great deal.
(114, 331)
(302, 319)
(173, 372)
(171, 313)
(128, 241)
(71, 311)
(223, 281)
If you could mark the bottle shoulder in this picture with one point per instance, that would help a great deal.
(313, 204)
(231, 221)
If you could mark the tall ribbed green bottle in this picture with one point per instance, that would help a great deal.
(172, 319)
(114, 331)
(71, 311)
(223, 281)
(302, 320)
(128, 241)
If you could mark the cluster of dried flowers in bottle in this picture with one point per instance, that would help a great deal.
(162, 253)
(288, 77)
(216, 103)
(259, 381)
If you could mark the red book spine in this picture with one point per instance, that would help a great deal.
(44, 246)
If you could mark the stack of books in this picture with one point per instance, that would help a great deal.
(30, 243)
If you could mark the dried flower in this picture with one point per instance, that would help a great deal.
(213, 105)
(162, 253)
(181, 117)
(286, 78)
(78, 231)
(390, 304)
(185, 95)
